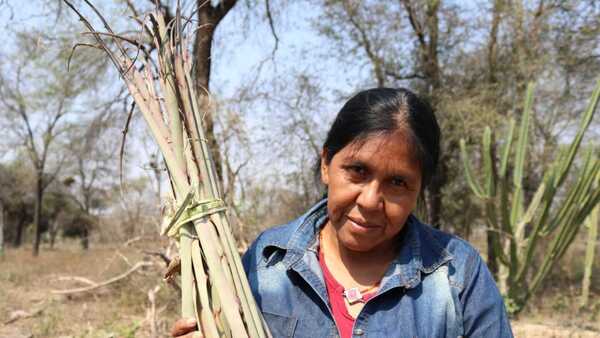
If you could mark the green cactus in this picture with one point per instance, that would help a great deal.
(592, 224)
(546, 218)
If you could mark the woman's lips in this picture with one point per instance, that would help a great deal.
(363, 224)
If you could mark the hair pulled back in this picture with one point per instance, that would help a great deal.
(382, 111)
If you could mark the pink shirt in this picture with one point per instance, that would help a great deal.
(335, 291)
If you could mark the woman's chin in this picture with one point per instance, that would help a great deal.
(357, 243)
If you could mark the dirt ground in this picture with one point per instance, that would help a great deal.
(30, 308)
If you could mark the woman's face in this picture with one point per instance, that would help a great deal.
(372, 188)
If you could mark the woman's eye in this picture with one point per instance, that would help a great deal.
(398, 182)
(356, 170)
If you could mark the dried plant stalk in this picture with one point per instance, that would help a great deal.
(214, 287)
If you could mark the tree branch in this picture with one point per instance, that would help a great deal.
(272, 26)
(21, 111)
(222, 9)
(397, 76)
(493, 40)
(52, 177)
(132, 8)
(366, 44)
(415, 24)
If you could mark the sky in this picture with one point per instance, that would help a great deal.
(243, 44)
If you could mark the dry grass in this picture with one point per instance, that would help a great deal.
(120, 309)
(555, 313)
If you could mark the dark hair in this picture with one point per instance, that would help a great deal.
(383, 111)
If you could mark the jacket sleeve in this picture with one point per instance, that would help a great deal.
(484, 314)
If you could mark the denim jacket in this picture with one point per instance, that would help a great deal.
(437, 286)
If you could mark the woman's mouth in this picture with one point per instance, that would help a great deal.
(362, 225)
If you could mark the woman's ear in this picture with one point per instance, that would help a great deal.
(324, 167)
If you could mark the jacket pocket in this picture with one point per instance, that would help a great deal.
(280, 326)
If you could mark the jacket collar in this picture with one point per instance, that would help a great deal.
(420, 252)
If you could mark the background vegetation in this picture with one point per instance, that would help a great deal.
(277, 71)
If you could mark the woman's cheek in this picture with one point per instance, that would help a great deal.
(335, 213)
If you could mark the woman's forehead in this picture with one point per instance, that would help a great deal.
(398, 140)
(392, 152)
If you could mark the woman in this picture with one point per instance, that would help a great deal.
(358, 263)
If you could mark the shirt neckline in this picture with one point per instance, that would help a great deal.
(338, 288)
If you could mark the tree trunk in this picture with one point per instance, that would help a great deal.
(434, 204)
(202, 64)
(53, 231)
(19, 233)
(39, 195)
(52, 239)
(492, 59)
(85, 242)
(426, 32)
(492, 56)
(209, 18)
(492, 260)
(434, 194)
(1, 229)
(85, 234)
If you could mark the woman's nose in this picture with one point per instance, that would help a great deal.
(370, 196)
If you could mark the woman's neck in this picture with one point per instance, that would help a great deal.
(365, 268)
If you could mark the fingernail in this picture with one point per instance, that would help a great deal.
(191, 321)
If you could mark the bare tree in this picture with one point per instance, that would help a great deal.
(38, 95)
(93, 146)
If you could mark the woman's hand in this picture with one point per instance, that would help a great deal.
(186, 328)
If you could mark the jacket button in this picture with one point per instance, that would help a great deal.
(359, 332)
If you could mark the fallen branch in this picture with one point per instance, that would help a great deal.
(76, 279)
(137, 266)
(20, 314)
(132, 240)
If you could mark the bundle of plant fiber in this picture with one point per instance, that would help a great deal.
(214, 286)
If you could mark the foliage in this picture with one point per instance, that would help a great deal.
(60, 211)
(551, 215)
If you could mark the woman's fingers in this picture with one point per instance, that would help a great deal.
(183, 326)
